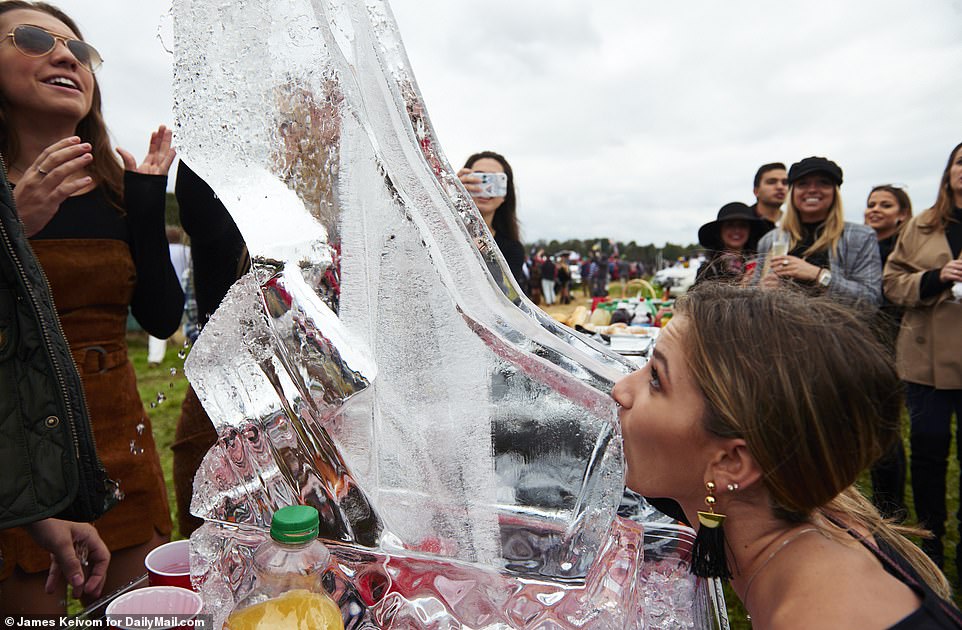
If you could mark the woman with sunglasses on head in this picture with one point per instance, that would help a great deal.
(921, 275)
(825, 254)
(757, 412)
(887, 209)
(97, 228)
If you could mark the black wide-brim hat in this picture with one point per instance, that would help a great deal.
(709, 235)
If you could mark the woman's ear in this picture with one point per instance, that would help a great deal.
(733, 466)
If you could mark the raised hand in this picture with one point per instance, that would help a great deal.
(160, 154)
(57, 173)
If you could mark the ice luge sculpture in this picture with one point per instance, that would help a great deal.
(379, 361)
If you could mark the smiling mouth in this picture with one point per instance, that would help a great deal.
(63, 82)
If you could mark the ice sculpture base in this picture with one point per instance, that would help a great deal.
(640, 580)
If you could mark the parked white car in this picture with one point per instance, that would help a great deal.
(678, 278)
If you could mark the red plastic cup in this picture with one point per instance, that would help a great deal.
(169, 565)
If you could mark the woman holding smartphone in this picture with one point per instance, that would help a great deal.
(759, 432)
(920, 275)
(824, 254)
(499, 211)
(97, 228)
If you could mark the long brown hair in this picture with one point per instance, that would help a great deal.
(812, 392)
(941, 213)
(831, 232)
(105, 168)
(505, 220)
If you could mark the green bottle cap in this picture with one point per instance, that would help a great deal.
(295, 524)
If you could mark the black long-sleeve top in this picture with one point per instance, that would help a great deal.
(931, 284)
(158, 300)
(217, 248)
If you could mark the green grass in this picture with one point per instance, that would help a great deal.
(154, 380)
(163, 416)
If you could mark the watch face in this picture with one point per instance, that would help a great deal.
(825, 278)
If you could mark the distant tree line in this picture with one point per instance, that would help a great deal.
(650, 255)
(631, 251)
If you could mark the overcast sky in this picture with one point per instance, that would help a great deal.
(636, 119)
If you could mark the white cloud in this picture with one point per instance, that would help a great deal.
(664, 111)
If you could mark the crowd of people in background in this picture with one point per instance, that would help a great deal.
(902, 272)
(795, 238)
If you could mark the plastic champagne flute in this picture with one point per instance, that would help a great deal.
(780, 244)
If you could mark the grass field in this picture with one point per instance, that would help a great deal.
(168, 379)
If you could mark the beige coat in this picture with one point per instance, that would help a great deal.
(929, 347)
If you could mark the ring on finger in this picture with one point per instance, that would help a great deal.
(42, 172)
(784, 263)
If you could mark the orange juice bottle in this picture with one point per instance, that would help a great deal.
(287, 593)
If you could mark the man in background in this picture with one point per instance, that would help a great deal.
(770, 189)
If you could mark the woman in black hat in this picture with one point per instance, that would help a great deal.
(731, 240)
(824, 253)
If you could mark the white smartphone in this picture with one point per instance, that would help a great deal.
(492, 184)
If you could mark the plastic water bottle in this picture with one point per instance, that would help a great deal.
(288, 593)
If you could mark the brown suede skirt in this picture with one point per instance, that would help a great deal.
(92, 282)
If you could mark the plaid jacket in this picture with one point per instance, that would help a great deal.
(855, 265)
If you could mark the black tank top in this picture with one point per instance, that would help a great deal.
(934, 613)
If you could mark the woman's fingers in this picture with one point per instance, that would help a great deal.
(781, 265)
(160, 154)
(61, 157)
(44, 159)
(57, 173)
(130, 162)
(951, 272)
(471, 184)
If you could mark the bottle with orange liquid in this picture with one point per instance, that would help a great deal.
(288, 594)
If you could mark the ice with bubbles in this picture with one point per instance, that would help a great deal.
(379, 361)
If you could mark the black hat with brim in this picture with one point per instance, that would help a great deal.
(815, 165)
(709, 235)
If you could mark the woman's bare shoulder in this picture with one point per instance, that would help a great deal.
(847, 588)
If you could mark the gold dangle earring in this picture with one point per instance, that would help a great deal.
(709, 559)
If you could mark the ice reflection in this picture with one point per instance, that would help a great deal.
(270, 379)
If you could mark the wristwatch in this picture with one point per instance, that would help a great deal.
(824, 278)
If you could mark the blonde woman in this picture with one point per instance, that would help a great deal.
(824, 253)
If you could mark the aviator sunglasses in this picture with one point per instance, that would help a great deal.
(34, 41)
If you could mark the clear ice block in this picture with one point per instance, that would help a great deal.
(379, 361)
